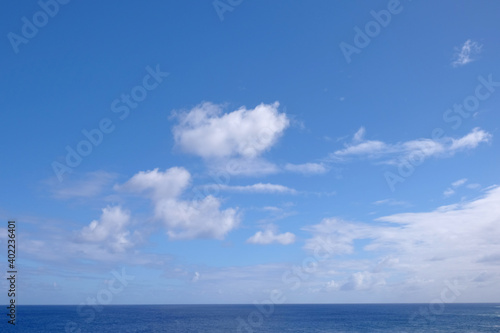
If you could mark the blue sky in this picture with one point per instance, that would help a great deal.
(217, 152)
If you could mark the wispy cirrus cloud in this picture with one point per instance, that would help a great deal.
(465, 54)
(391, 202)
(451, 190)
(307, 168)
(459, 182)
(240, 166)
(473, 186)
(448, 192)
(87, 185)
(255, 188)
(423, 148)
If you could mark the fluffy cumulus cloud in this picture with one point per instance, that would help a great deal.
(270, 235)
(159, 185)
(425, 246)
(184, 219)
(197, 219)
(110, 229)
(208, 132)
(414, 149)
(466, 53)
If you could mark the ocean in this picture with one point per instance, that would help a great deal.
(250, 318)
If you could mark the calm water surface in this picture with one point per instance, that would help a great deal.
(248, 318)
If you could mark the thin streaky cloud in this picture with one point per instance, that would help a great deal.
(448, 192)
(474, 186)
(424, 148)
(307, 168)
(390, 202)
(359, 135)
(465, 54)
(255, 188)
(452, 189)
(88, 185)
(459, 182)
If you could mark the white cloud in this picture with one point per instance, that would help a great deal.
(197, 219)
(307, 168)
(471, 140)
(184, 219)
(255, 188)
(160, 185)
(109, 239)
(363, 281)
(466, 229)
(369, 148)
(110, 229)
(448, 192)
(243, 166)
(359, 135)
(454, 242)
(270, 236)
(332, 285)
(451, 190)
(88, 185)
(464, 54)
(459, 182)
(272, 209)
(391, 202)
(207, 132)
(419, 149)
(337, 235)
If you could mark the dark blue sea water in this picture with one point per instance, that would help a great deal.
(248, 318)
